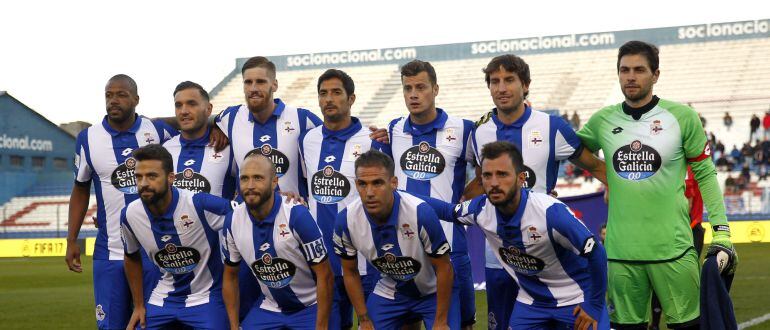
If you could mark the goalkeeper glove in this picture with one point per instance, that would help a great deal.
(722, 247)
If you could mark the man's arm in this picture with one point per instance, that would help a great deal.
(352, 280)
(444, 279)
(230, 294)
(593, 164)
(133, 268)
(324, 292)
(78, 206)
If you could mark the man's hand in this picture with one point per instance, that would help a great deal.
(583, 321)
(365, 323)
(722, 247)
(72, 257)
(218, 139)
(292, 197)
(379, 134)
(137, 317)
(440, 326)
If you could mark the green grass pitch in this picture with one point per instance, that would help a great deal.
(40, 293)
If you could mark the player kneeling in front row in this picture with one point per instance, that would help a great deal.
(283, 247)
(555, 259)
(401, 236)
(178, 229)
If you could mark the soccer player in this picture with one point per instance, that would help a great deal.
(329, 152)
(648, 143)
(555, 259)
(399, 235)
(199, 167)
(178, 229)
(284, 248)
(103, 156)
(431, 150)
(544, 141)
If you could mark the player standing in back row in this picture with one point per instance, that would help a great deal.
(648, 143)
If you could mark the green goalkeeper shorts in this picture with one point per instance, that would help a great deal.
(676, 282)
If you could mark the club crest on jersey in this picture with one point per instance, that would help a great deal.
(357, 151)
(533, 236)
(406, 231)
(192, 181)
(449, 135)
(535, 139)
(329, 186)
(399, 268)
(273, 272)
(100, 314)
(148, 138)
(216, 157)
(655, 127)
(422, 162)
(123, 176)
(288, 128)
(636, 161)
(186, 221)
(177, 259)
(521, 262)
(278, 158)
(283, 232)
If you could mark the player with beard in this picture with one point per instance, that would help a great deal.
(103, 156)
(178, 229)
(199, 167)
(282, 245)
(648, 143)
(329, 153)
(560, 268)
(399, 235)
(544, 141)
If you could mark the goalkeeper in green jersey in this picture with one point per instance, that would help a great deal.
(647, 144)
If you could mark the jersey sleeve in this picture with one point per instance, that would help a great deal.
(468, 138)
(391, 125)
(450, 212)
(214, 209)
(589, 134)
(568, 231)
(343, 245)
(83, 171)
(223, 120)
(567, 144)
(165, 131)
(302, 162)
(431, 234)
(230, 253)
(130, 243)
(306, 231)
(308, 120)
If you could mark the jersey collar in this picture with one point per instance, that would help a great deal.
(437, 124)
(169, 214)
(637, 113)
(519, 123)
(199, 142)
(273, 212)
(133, 129)
(279, 106)
(345, 133)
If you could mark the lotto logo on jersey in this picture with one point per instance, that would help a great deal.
(329, 186)
(192, 181)
(273, 272)
(399, 268)
(636, 161)
(278, 158)
(123, 177)
(422, 162)
(521, 262)
(177, 259)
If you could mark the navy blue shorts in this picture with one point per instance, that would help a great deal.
(248, 290)
(262, 319)
(212, 315)
(530, 317)
(463, 284)
(387, 314)
(342, 301)
(501, 296)
(111, 294)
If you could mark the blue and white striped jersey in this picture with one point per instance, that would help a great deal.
(103, 155)
(278, 139)
(549, 252)
(199, 168)
(399, 249)
(431, 160)
(279, 251)
(329, 158)
(544, 141)
(181, 243)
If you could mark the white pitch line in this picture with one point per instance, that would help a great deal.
(754, 321)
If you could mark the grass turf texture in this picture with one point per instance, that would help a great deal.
(41, 293)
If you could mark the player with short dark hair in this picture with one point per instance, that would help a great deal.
(553, 257)
(329, 152)
(103, 156)
(178, 229)
(648, 143)
(399, 235)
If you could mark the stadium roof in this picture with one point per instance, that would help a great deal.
(44, 119)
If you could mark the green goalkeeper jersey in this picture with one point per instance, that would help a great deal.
(646, 159)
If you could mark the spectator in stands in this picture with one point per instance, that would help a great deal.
(730, 184)
(569, 173)
(575, 121)
(702, 120)
(723, 164)
(754, 125)
(603, 232)
(728, 120)
(745, 177)
(587, 177)
(746, 153)
(766, 123)
(712, 139)
(735, 154)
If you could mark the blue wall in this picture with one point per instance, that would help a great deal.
(35, 137)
